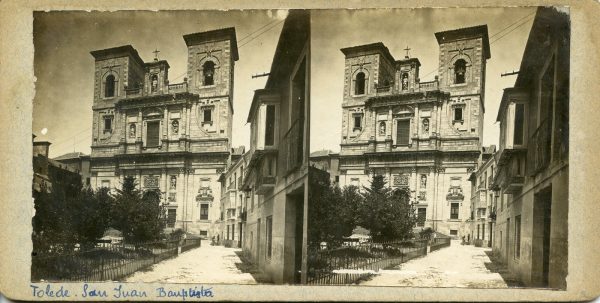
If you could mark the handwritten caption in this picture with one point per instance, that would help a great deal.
(120, 291)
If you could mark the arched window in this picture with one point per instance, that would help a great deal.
(109, 86)
(154, 83)
(460, 69)
(208, 71)
(359, 85)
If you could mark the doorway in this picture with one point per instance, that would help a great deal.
(542, 213)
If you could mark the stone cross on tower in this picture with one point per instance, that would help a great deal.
(156, 51)
(407, 49)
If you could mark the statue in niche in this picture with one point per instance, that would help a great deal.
(132, 130)
(404, 81)
(154, 83)
(173, 182)
(426, 126)
(382, 128)
(423, 181)
(175, 127)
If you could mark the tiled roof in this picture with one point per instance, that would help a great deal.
(321, 153)
(72, 155)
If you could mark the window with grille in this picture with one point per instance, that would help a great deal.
(453, 210)
(203, 211)
(421, 216)
(152, 133)
(171, 217)
(403, 132)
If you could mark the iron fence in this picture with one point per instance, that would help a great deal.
(438, 243)
(106, 262)
(349, 264)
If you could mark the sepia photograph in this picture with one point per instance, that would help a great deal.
(145, 176)
(445, 160)
(289, 152)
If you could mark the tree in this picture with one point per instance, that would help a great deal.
(90, 215)
(386, 213)
(331, 212)
(51, 225)
(140, 216)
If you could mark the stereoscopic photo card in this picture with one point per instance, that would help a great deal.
(260, 151)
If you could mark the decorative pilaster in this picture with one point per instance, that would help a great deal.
(164, 185)
(139, 178)
(183, 130)
(165, 129)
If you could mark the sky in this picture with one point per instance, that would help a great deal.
(64, 68)
(415, 28)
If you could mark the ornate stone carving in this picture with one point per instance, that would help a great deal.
(400, 180)
(151, 181)
(455, 193)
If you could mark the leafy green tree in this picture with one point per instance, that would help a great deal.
(386, 213)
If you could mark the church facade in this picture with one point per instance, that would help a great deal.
(172, 137)
(425, 136)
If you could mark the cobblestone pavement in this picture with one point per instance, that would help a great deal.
(454, 266)
(205, 264)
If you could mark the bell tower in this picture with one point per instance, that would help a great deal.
(210, 70)
(462, 67)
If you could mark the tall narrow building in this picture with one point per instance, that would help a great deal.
(424, 136)
(172, 137)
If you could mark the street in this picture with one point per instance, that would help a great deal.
(454, 266)
(205, 264)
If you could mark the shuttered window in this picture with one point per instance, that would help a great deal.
(152, 133)
(270, 126)
(402, 132)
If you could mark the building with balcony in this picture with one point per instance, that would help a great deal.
(276, 178)
(425, 136)
(483, 199)
(175, 137)
(532, 177)
(233, 200)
